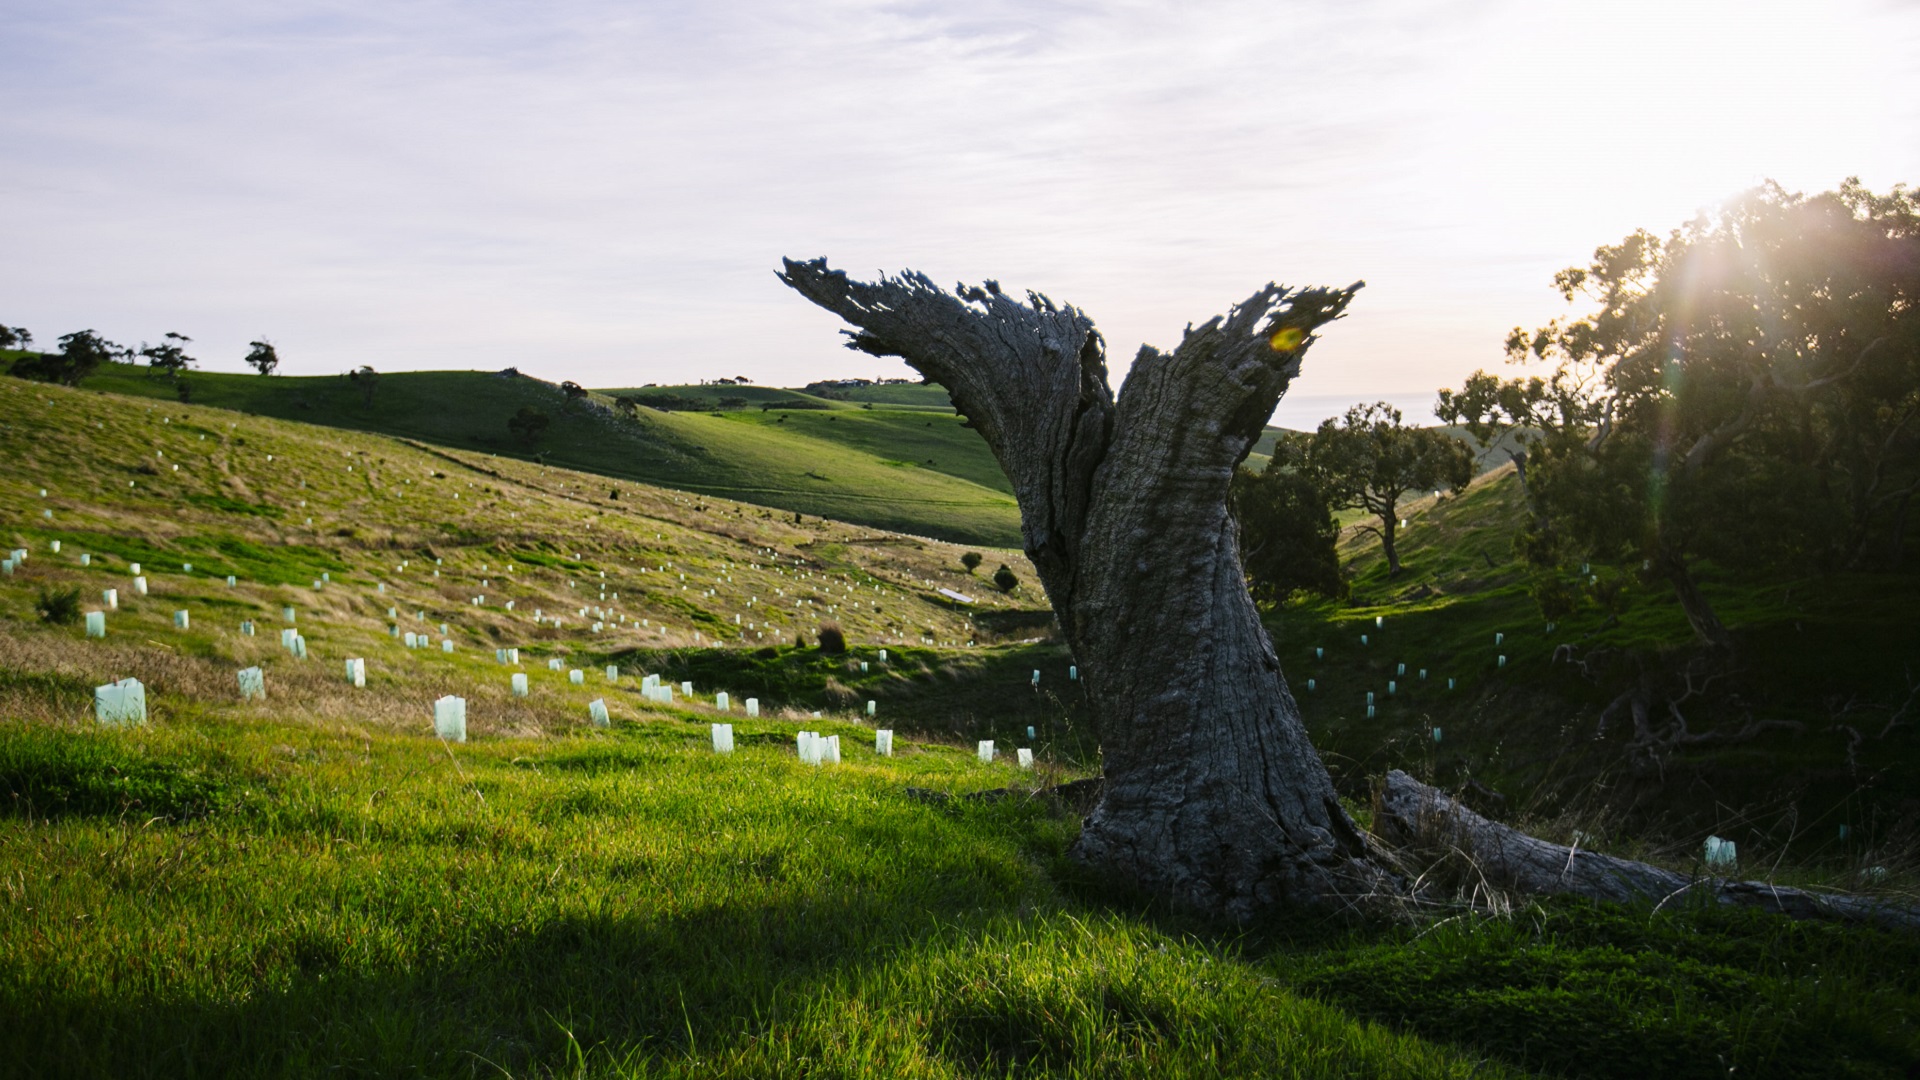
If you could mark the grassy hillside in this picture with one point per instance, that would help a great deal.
(771, 466)
(315, 884)
(1826, 663)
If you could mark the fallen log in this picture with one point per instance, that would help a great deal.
(1410, 813)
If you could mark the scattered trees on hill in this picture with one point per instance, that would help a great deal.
(1745, 390)
(262, 356)
(15, 337)
(1005, 579)
(1369, 459)
(971, 560)
(81, 354)
(528, 424)
(1288, 536)
(168, 358)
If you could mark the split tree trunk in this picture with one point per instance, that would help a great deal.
(1214, 796)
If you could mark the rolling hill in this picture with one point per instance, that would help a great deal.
(946, 489)
(312, 883)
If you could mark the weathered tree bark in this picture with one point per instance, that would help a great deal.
(1213, 796)
(1413, 813)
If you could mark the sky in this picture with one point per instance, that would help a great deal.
(601, 191)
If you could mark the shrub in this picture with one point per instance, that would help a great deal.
(61, 606)
(971, 560)
(1005, 580)
(832, 641)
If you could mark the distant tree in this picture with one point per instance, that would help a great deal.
(81, 354)
(365, 378)
(9, 337)
(528, 424)
(1005, 579)
(168, 358)
(971, 560)
(1368, 459)
(262, 356)
(24, 336)
(573, 390)
(1287, 535)
(1745, 390)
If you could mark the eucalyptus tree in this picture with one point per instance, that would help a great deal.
(1744, 390)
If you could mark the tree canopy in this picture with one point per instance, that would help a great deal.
(1287, 535)
(1745, 390)
(169, 357)
(528, 424)
(262, 356)
(1369, 459)
(81, 354)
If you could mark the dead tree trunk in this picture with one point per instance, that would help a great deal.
(1413, 813)
(1213, 796)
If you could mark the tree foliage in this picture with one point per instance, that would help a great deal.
(366, 379)
(1005, 579)
(1287, 535)
(262, 356)
(1744, 390)
(1369, 459)
(528, 424)
(168, 358)
(971, 560)
(81, 354)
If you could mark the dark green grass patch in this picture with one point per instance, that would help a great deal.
(54, 774)
(1579, 990)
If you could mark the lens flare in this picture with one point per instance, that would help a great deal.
(1287, 338)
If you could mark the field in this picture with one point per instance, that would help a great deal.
(314, 883)
(939, 482)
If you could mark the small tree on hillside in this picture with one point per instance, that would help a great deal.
(971, 560)
(528, 424)
(262, 356)
(1287, 535)
(365, 378)
(1368, 459)
(1005, 579)
(168, 358)
(573, 390)
(9, 337)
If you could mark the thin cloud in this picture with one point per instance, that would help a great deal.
(600, 191)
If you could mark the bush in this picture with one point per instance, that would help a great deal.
(61, 606)
(971, 560)
(1005, 579)
(832, 641)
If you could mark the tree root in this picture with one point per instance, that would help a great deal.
(1410, 813)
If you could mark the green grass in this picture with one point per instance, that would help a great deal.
(1529, 730)
(314, 884)
(626, 903)
(949, 487)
